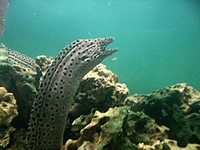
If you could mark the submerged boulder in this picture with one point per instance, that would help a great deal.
(118, 128)
(99, 89)
(177, 107)
(105, 131)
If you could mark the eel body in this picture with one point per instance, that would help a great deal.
(57, 89)
(12, 57)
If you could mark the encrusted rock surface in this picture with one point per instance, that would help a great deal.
(176, 107)
(18, 140)
(143, 129)
(165, 119)
(99, 89)
(43, 62)
(8, 107)
(167, 144)
(8, 111)
(118, 128)
(105, 131)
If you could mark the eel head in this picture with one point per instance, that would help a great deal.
(93, 51)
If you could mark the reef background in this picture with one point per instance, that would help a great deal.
(158, 40)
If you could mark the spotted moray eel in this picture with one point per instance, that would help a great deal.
(12, 57)
(57, 89)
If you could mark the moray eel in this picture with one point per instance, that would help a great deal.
(13, 58)
(57, 89)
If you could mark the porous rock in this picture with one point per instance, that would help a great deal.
(173, 145)
(177, 107)
(8, 111)
(18, 140)
(143, 129)
(100, 89)
(8, 107)
(118, 128)
(43, 62)
(105, 131)
(5, 136)
(167, 144)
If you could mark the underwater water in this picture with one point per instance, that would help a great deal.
(158, 40)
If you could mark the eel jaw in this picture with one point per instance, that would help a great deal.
(108, 52)
(103, 52)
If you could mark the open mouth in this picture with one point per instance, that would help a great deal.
(106, 52)
(109, 52)
(96, 48)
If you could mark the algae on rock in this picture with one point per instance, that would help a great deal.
(99, 89)
(105, 131)
(118, 128)
(176, 107)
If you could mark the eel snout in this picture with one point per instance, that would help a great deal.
(101, 50)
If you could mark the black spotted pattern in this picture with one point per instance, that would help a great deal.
(57, 89)
(16, 58)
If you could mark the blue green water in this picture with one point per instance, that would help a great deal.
(158, 40)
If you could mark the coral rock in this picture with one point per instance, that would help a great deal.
(8, 107)
(43, 62)
(105, 131)
(173, 145)
(118, 128)
(167, 144)
(87, 146)
(100, 89)
(143, 129)
(18, 140)
(5, 135)
(176, 107)
(8, 111)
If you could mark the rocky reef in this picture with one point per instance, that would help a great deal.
(118, 128)
(103, 115)
(99, 89)
(103, 131)
(176, 107)
(165, 119)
